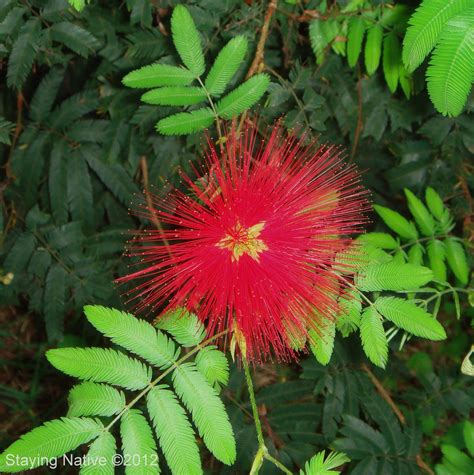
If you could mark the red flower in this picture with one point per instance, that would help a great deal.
(251, 248)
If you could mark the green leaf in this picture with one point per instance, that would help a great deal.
(422, 216)
(112, 175)
(357, 26)
(6, 128)
(435, 203)
(213, 365)
(186, 122)
(392, 276)
(468, 433)
(381, 240)
(373, 337)
(425, 27)
(415, 254)
(411, 318)
(350, 306)
(184, 326)
(78, 4)
(391, 60)
(406, 81)
(54, 296)
(92, 399)
(45, 95)
(101, 365)
(437, 256)
(451, 70)
(207, 410)
(243, 97)
(322, 342)
(100, 457)
(186, 40)
(396, 222)
(50, 440)
(134, 334)
(457, 260)
(23, 53)
(373, 48)
(57, 181)
(319, 465)
(174, 96)
(138, 444)
(76, 38)
(227, 63)
(156, 75)
(79, 191)
(321, 33)
(174, 432)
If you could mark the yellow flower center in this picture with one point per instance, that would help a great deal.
(240, 241)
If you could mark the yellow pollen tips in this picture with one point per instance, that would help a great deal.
(240, 241)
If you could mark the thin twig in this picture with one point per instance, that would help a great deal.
(360, 122)
(259, 52)
(385, 395)
(258, 60)
(154, 219)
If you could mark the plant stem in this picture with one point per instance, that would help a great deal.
(262, 452)
(253, 403)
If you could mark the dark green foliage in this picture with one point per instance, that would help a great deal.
(75, 140)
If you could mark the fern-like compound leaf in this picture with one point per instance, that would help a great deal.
(322, 342)
(372, 334)
(50, 440)
(134, 334)
(391, 60)
(357, 26)
(396, 222)
(138, 444)
(75, 38)
(373, 48)
(457, 260)
(184, 326)
(157, 75)
(423, 217)
(100, 457)
(392, 276)
(45, 95)
(186, 122)
(101, 365)
(435, 203)
(92, 399)
(23, 53)
(410, 317)
(174, 432)
(451, 70)
(425, 27)
(174, 96)
(319, 464)
(213, 365)
(227, 63)
(243, 97)
(207, 410)
(186, 40)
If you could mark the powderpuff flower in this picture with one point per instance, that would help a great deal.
(250, 246)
